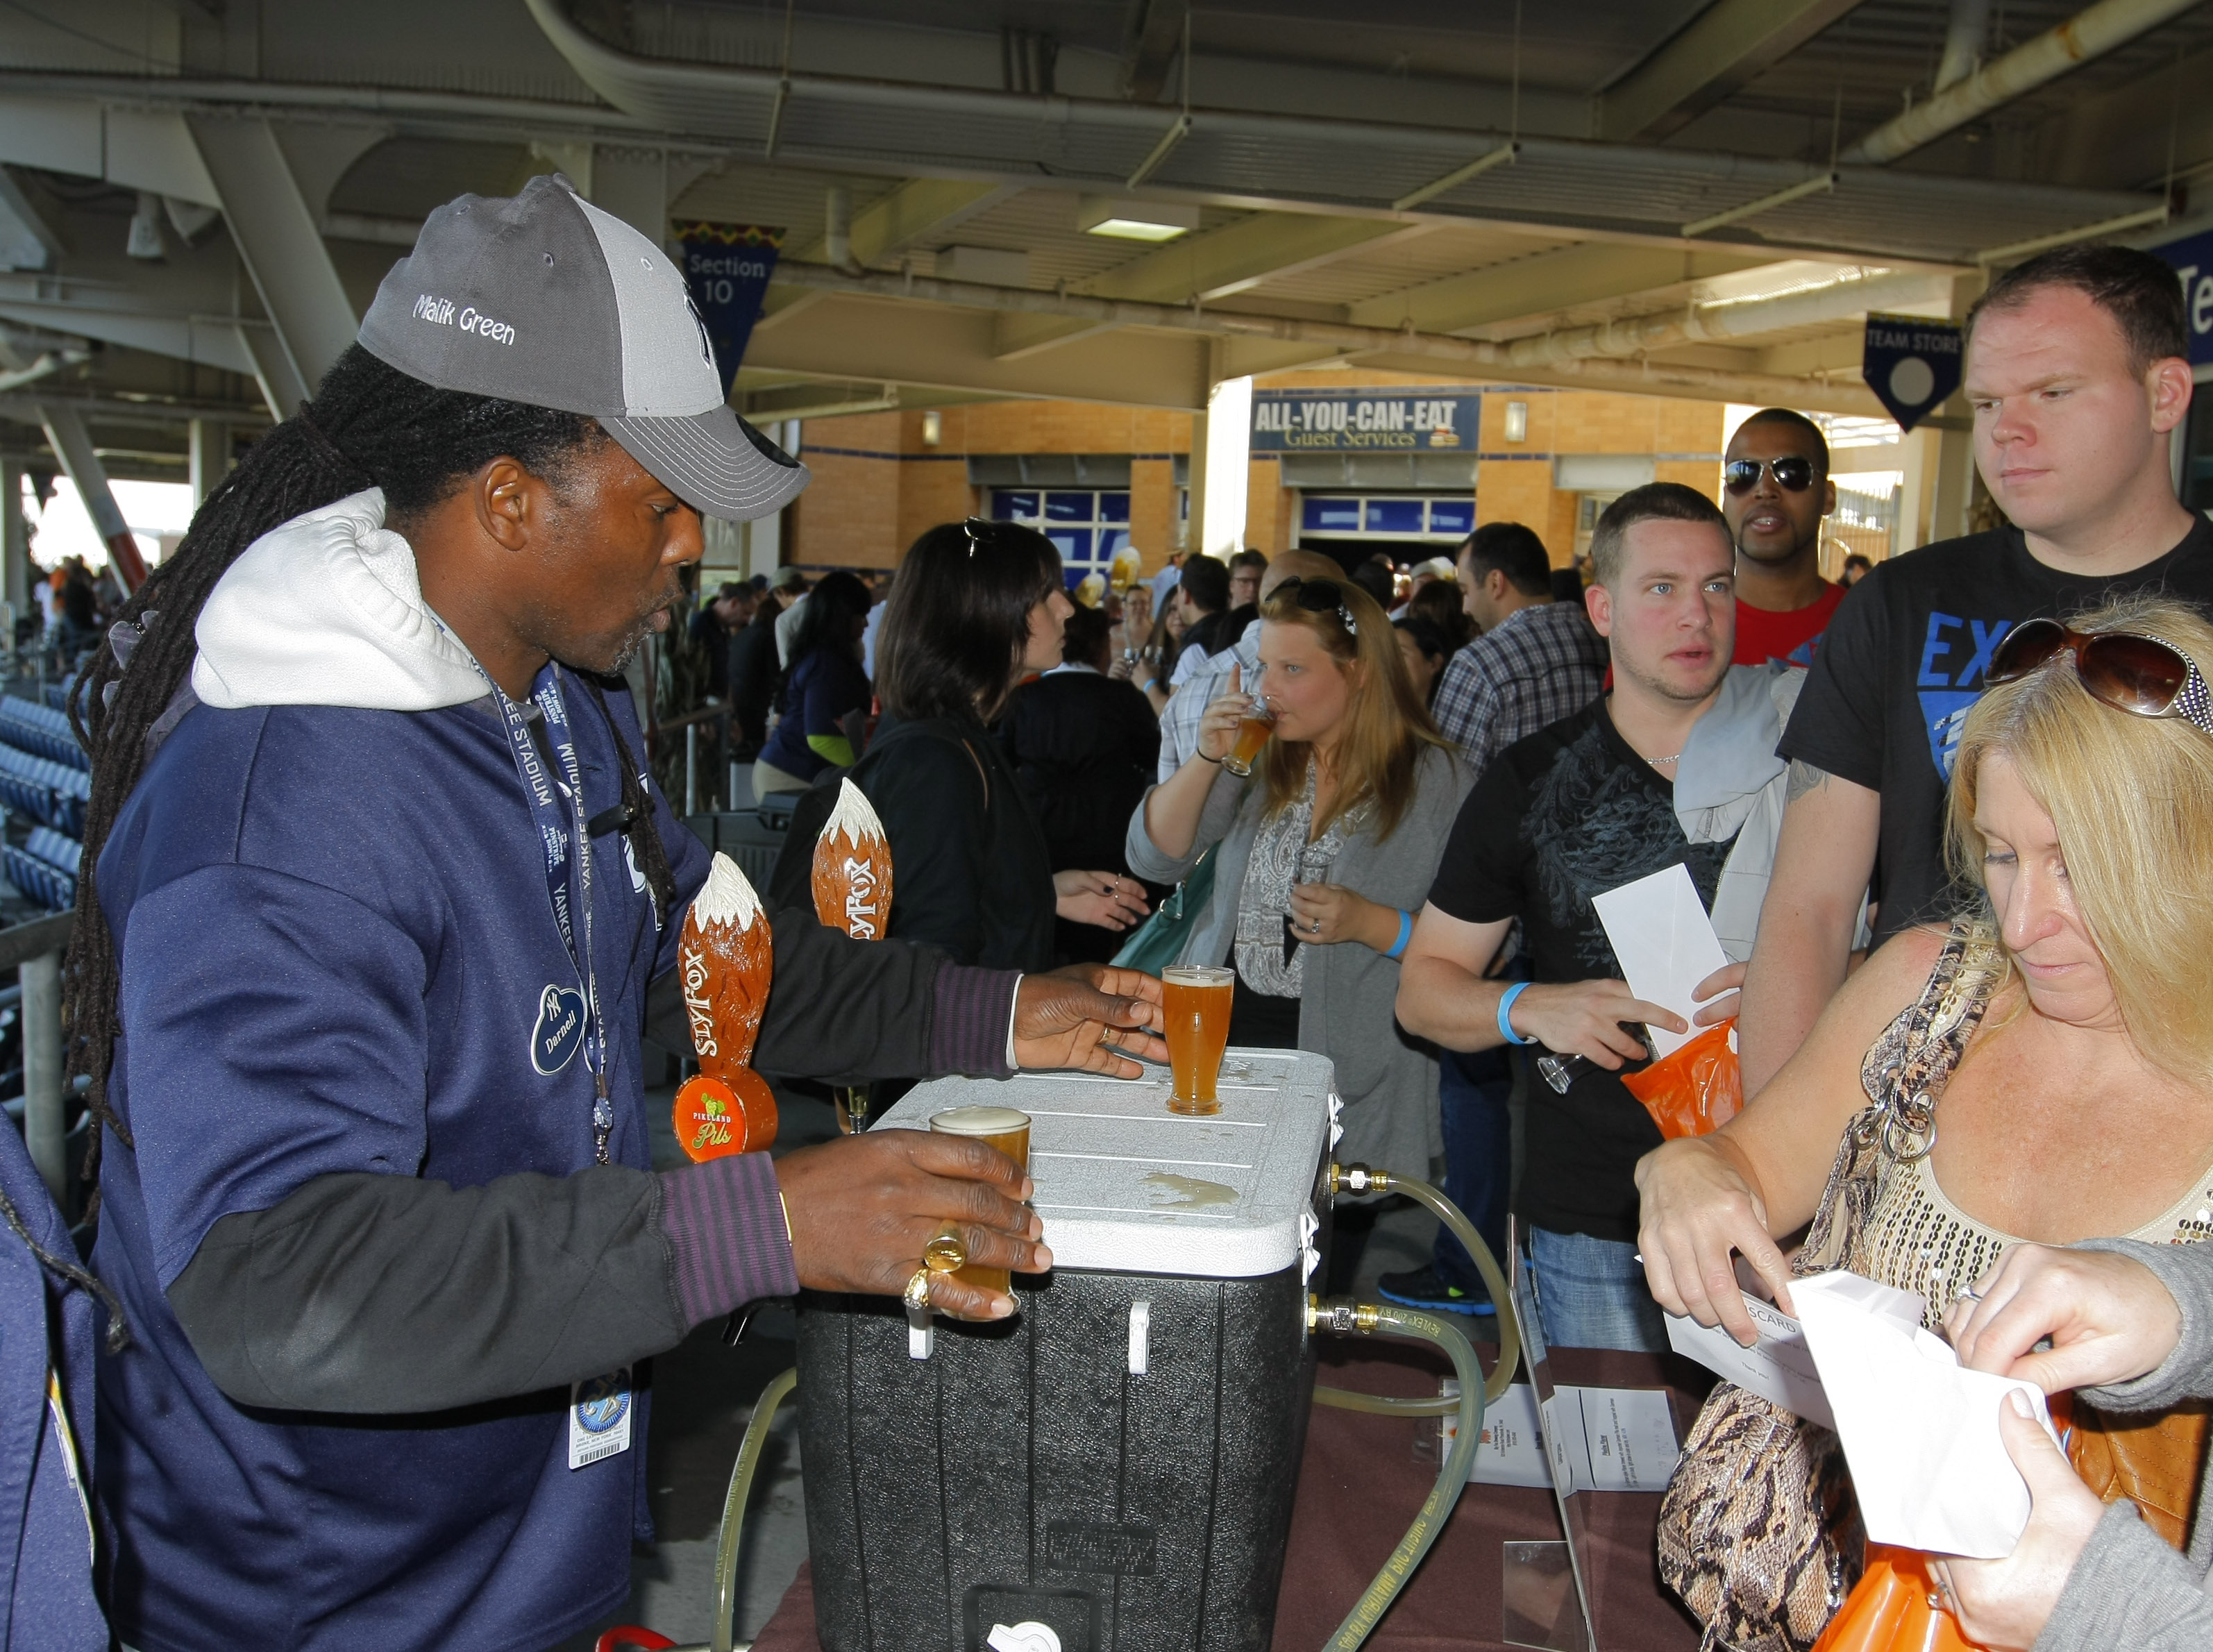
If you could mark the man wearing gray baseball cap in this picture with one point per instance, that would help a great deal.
(377, 901)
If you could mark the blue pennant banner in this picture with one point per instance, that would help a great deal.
(727, 266)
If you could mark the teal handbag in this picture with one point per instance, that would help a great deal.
(1160, 939)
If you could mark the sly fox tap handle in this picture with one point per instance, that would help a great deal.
(725, 958)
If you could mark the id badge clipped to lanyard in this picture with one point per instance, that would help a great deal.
(601, 1409)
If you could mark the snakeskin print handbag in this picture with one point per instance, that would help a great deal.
(1759, 1532)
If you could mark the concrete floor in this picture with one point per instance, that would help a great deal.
(703, 1399)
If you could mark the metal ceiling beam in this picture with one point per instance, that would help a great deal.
(1591, 361)
(65, 433)
(1265, 156)
(274, 226)
(2088, 34)
(1155, 37)
(1588, 274)
(919, 209)
(1233, 259)
(1724, 49)
(951, 349)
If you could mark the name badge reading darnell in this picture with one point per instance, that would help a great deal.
(599, 1410)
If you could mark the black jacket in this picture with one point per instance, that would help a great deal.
(970, 871)
(753, 674)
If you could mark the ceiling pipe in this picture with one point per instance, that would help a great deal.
(1575, 362)
(2086, 35)
(1963, 40)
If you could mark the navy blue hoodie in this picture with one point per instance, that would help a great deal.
(337, 943)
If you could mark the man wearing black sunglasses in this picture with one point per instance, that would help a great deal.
(1775, 491)
(2078, 374)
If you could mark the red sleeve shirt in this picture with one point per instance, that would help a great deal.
(1791, 636)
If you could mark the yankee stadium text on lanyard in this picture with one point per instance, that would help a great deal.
(561, 828)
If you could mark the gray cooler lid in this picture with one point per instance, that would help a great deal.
(1126, 1186)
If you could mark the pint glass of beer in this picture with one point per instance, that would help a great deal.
(1007, 1130)
(1195, 1002)
(1252, 734)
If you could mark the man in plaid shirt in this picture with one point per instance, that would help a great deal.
(1187, 705)
(1537, 661)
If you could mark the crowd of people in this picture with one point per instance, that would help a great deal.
(1927, 835)
(1950, 825)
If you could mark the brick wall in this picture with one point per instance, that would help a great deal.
(878, 486)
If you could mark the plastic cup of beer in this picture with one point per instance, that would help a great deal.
(1195, 1001)
(1253, 733)
(1007, 1130)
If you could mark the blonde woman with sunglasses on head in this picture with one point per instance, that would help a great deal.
(1326, 853)
(2040, 1070)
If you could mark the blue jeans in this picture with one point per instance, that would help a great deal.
(1591, 1293)
(1472, 1094)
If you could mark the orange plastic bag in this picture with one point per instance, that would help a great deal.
(1894, 1608)
(1696, 1089)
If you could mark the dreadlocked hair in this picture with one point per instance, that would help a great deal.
(368, 425)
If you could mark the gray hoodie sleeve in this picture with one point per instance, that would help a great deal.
(1155, 865)
(2129, 1589)
(2187, 1373)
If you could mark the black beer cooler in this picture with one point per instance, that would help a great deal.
(1113, 1470)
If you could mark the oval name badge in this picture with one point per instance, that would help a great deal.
(560, 1030)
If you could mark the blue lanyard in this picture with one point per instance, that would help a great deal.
(557, 806)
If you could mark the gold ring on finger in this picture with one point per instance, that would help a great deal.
(916, 1293)
(945, 1251)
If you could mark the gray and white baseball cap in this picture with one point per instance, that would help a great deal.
(544, 299)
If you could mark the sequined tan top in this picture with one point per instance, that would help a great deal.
(1912, 1237)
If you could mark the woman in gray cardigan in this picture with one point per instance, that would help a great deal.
(1326, 853)
(2130, 1327)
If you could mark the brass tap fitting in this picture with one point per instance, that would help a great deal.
(1343, 1316)
(1358, 1179)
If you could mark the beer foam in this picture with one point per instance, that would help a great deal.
(725, 897)
(854, 818)
(977, 1121)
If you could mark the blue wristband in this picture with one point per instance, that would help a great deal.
(1406, 934)
(1506, 1002)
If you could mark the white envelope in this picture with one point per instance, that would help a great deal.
(1920, 1433)
(1665, 943)
(1778, 1367)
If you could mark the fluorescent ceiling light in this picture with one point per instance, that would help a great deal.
(1135, 220)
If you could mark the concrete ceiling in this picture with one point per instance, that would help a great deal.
(289, 150)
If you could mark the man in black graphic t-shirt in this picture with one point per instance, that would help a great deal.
(1584, 806)
(2078, 374)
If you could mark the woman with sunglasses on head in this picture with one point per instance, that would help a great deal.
(2039, 1070)
(1326, 852)
(977, 607)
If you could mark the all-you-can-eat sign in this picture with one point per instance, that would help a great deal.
(1442, 420)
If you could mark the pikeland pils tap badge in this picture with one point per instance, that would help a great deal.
(725, 958)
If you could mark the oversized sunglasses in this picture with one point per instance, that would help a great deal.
(1792, 473)
(2140, 675)
(1320, 596)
